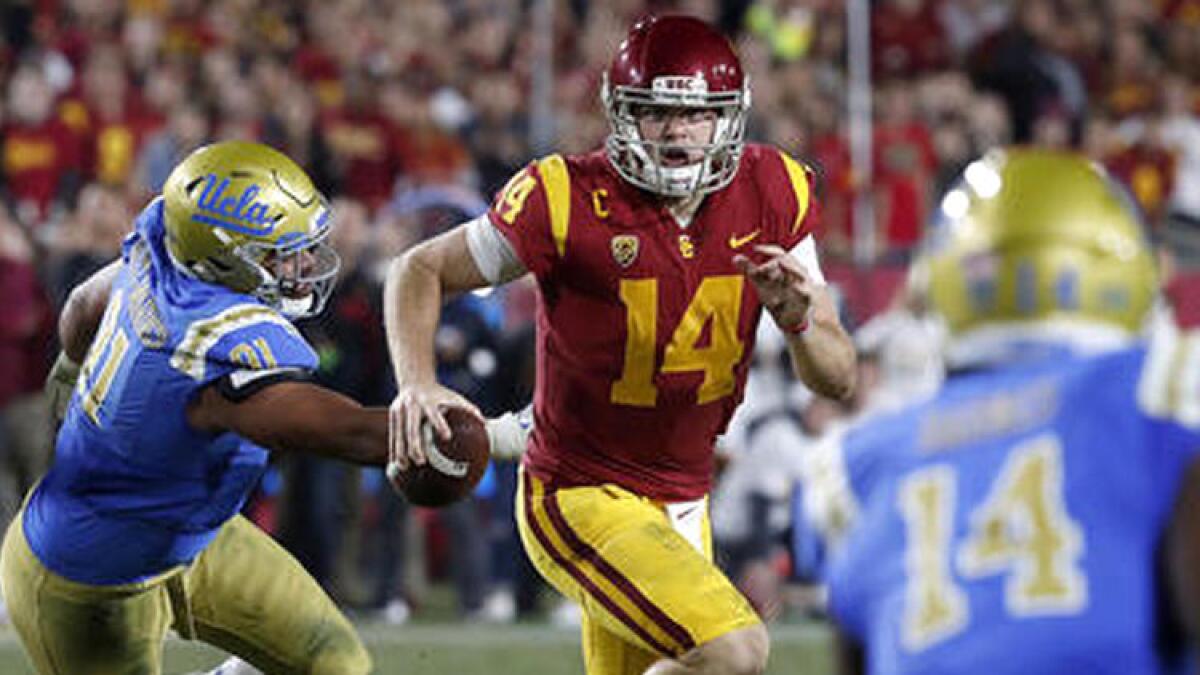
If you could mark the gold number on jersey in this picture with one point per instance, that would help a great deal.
(102, 363)
(257, 355)
(515, 195)
(1022, 529)
(934, 607)
(716, 304)
(636, 386)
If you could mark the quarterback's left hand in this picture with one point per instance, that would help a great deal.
(783, 285)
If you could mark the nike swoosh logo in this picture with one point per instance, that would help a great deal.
(738, 242)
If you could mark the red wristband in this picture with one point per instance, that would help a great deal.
(797, 328)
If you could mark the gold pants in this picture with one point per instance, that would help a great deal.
(244, 594)
(647, 592)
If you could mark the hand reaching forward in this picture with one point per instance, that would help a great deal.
(414, 406)
(783, 285)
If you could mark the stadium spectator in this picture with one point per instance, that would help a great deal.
(186, 129)
(1019, 63)
(89, 239)
(908, 39)
(905, 163)
(1180, 136)
(26, 335)
(42, 167)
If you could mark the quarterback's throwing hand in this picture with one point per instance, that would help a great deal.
(415, 406)
(783, 285)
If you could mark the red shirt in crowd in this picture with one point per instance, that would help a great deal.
(109, 146)
(1149, 173)
(26, 326)
(35, 160)
(905, 161)
(364, 145)
(905, 44)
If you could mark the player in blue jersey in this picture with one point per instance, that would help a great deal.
(1039, 513)
(193, 371)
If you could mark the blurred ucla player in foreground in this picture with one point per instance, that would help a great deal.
(1039, 514)
(193, 365)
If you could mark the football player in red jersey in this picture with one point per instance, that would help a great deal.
(654, 258)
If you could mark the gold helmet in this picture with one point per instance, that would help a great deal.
(246, 217)
(1030, 238)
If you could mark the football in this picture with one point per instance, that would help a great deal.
(453, 467)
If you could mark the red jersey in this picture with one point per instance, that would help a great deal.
(644, 328)
(34, 160)
(365, 144)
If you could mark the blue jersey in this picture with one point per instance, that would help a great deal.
(134, 490)
(1011, 523)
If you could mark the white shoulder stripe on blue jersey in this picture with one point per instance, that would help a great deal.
(1169, 387)
(189, 356)
(829, 501)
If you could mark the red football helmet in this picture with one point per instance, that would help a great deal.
(676, 62)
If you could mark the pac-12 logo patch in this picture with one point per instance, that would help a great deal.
(624, 249)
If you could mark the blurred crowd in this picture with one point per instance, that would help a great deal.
(411, 114)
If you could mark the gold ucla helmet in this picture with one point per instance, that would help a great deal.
(1038, 238)
(246, 217)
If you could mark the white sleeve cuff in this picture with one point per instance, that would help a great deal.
(493, 255)
(806, 253)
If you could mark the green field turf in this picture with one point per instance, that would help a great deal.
(449, 649)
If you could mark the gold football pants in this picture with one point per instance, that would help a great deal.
(244, 593)
(646, 592)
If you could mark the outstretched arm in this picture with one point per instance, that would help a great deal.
(296, 416)
(290, 415)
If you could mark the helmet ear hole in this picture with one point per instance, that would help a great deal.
(288, 190)
(191, 187)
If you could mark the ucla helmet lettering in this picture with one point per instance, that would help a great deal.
(246, 217)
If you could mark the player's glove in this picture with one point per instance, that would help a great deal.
(509, 433)
(60, 383)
